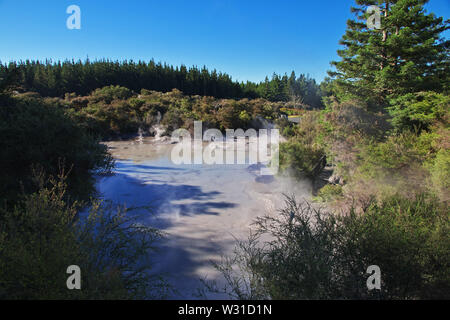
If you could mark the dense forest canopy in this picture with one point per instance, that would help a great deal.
(57, 78)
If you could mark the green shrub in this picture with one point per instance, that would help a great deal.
(108, 94)
(114, 111)
(35, 133)
(302, 158)
(312, 254)
(397, 155)
(233, 115)
(329, 192)
(41, 236)
(417, 111)
(244, 117)
(440, 173)
(173, 119)
(286, 127)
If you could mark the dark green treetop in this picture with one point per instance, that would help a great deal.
(405, 55)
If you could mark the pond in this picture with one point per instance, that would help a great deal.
(202, 209)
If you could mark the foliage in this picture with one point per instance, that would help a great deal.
(393, 78)
(8, 79)
(113, 112)
(57, 79)
(108, 94)
(287, 128)
(312, 254)
(329, 192)
(42, 235)
(418, 111)
(301, 91)
(300, 157)
(304, 149)
(232, 115)
(439, 168)
(292, 111)
(409, 149)
(407, 55)
(352, 118)
(37, 133)
(373, 157)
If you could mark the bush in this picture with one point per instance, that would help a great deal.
(113, 112)
(329, 192)
(39, 134)
(353, 118)
(41, 236)
(233, 115)
(108, 94)
(302, 158)
(402, 161)
(440, 173)
(286, 127)
(311, 254)
(417, 111)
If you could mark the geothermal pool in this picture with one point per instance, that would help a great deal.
(201, 208)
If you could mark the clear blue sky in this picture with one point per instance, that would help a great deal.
(247, 39)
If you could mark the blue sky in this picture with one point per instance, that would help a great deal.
(247, 39)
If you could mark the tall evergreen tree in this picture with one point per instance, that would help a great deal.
(406, 55)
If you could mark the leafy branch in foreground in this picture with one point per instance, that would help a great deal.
(43, 235)
(305, 253)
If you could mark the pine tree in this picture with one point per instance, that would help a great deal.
(406, 55)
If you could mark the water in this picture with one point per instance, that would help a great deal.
(202, 208)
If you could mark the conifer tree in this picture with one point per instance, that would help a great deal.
(406, 55)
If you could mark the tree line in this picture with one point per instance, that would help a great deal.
(54, 79)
